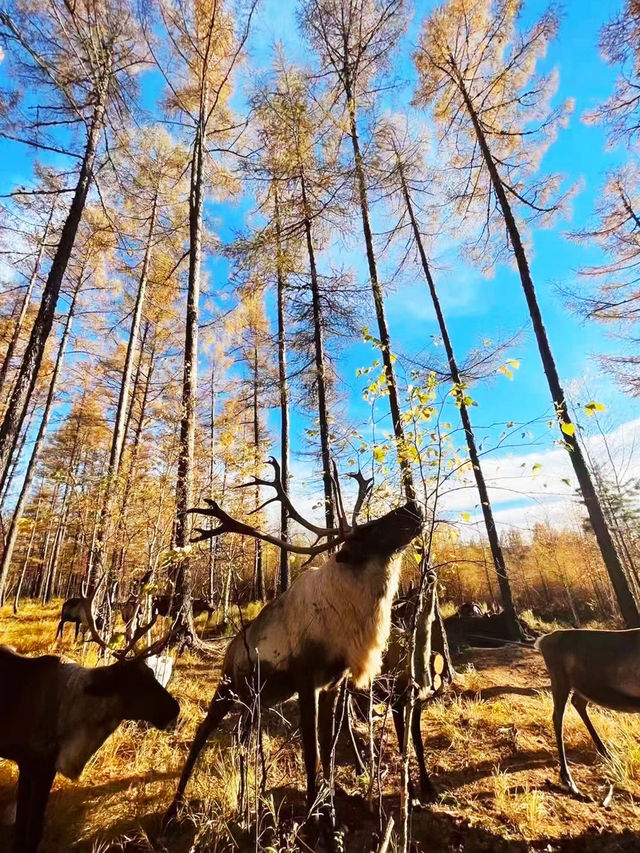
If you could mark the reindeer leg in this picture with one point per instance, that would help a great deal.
(308, 703)
(21, 827)
(580, 704)
(220, 704)
(33, 794)
(327, 729)
(560, 689)
(427, 789)
(397, 712)
(60, 629)
(360, 765)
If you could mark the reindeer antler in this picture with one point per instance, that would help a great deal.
(365, 484)
(232, 525)
(333, 535)
(282, 497)
(121, 654)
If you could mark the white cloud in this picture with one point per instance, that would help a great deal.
(533, 487)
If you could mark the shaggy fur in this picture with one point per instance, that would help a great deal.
(332, 622)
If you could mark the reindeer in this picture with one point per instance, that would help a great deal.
(602, 667)
(162, 605)
(54, 715)
(333, 621)
(73, 610)
(394, 683)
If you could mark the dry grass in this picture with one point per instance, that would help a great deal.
(489, 744)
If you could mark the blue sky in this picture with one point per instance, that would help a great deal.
(476, 308)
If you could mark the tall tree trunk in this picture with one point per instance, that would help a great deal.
(27, 555)
(32, 358)
(134, 389)
(181, 571)
(626, 601)
(284, 398)
(117, 438)
(487, 512)
(5, 485)
(35, 453)
(320, 362)
(376, 289)
(213, 542)
(258, 573)
(15, 337)
(135, 446)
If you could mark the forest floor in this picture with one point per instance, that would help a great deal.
(489, 745)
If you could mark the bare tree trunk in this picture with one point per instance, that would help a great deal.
(181, 571)
(25, 562)
(32, 358)
(35, 453)
(383, 329)
(284, 399)
(626, 601)
(487, 512)
(135, 445)
(15, 337)
(320, 362)
(258, 572)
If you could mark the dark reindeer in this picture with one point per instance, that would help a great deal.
(55, 715)
(601, 667)
(394, 683)
(73, 610)
(332, 622)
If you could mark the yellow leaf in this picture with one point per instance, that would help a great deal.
(465, 516)
(567, 429)
(592, 407)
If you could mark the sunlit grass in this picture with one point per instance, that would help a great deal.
(491, 751)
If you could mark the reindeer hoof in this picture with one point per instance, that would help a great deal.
(570, 787)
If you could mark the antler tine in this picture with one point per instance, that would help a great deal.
(283, 497)
(343, 524)
(137, 634)
(228, 524)
(87, 603)
(365, 484)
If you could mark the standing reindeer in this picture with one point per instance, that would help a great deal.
(73, 610)
(602, 667)
(332, 622)
(55, 715)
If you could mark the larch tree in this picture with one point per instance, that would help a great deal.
(609, 292)
(151, 168)
(292, 130)
(80, 57)
(18, 511)
(355, 41)
(19, 223)
(478, 72)
(204, 43)
(402, 176)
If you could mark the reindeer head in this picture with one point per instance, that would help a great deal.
(383, 537)
(139, 695)
(130, 682)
